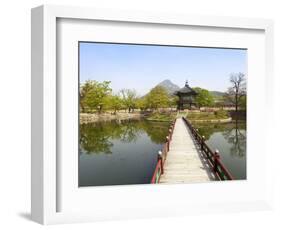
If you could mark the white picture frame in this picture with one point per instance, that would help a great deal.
(47, 181)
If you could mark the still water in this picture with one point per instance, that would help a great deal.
(230, 140)
(125, 152)
(119, 152)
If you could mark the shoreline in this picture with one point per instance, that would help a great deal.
(225, 120)
(92, 117)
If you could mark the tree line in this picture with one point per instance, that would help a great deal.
(236, 94)
(99, 97)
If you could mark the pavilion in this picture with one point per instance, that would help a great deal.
(186, 97)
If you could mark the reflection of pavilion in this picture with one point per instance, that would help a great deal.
(186, 97)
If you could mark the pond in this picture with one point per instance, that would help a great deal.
(119, 152)
(230, 140)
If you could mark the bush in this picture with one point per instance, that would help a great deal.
(161, 116)
(221, 113)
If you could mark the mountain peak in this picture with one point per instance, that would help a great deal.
(166, 81)
(169, 86)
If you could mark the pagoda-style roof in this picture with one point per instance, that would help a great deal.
(187, 90)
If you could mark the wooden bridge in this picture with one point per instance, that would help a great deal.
(186, 158)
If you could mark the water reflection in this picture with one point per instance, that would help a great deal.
(230, 139)
(237, 138)
(119, 152)
(97, 137)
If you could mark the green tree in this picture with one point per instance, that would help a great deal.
(173, 101)
(203, 97)
(158, 97)
(141, 103)
(94, 94)
(113, 102)
(84, 90)
(129, 98)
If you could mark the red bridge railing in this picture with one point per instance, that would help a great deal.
(213, 157)
(162, 155)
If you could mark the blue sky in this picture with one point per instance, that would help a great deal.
(141, 67)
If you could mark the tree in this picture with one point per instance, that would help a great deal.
(243, 102)
(85, 90)
(203, 97)
(129, 97)
(113, 102)
(237, 91)
(93, 94)
(158, 97)
(173, 101)
(141, 103)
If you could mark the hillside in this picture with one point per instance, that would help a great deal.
(169, 86)
(217, 94)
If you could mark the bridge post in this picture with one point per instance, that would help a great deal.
(202, 142)
(196, 134)
(160, 157)
(172, 129)
(168, 143)
(216, 158)
(170, 134)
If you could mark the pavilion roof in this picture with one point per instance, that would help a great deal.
(186, 90)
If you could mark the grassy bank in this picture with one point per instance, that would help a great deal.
(160, 117)
(96, 117)
(208, 116)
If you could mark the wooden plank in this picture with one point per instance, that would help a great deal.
(184, 162)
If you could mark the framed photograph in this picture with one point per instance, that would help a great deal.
(138, 115)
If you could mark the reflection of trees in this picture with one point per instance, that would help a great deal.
(157, 131)
(237, 140)
(207, 130)
(232, 132)
(129, 132)
(97, 137)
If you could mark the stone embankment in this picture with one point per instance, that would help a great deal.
(226, 120)
(92, 117)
